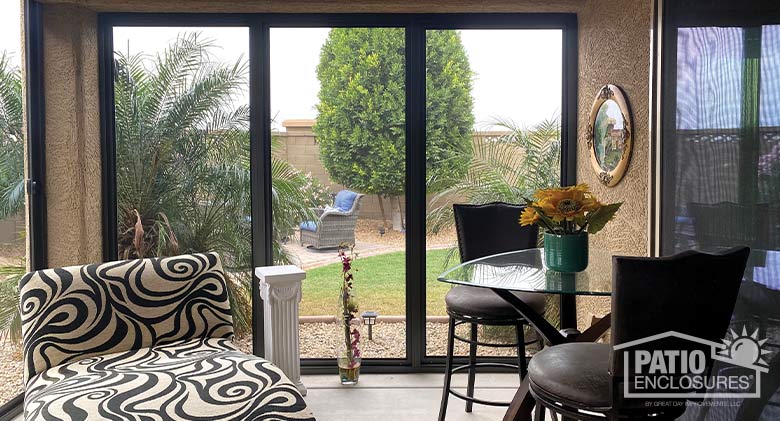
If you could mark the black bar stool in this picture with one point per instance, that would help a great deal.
(690, 293)
(484, 230)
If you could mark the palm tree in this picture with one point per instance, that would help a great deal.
(11, 189)
(11, 139)
(508, 168)
(183, 164)
(182, 168)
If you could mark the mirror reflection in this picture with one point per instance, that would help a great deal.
(609, 140)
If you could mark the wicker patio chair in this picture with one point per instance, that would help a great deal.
(335, 225)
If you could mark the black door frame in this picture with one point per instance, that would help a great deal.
(35, 181)
(36, 146)
(415, 26)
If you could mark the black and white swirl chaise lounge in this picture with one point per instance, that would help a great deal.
(143, 340)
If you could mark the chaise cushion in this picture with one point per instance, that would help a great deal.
(200, 379)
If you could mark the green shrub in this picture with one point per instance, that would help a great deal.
(360, 126)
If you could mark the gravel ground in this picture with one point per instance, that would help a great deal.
(11, 371)
(11, 254)
(11, 367)
(323, 340)
(367, 230)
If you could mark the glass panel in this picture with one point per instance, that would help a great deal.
(726, 146)
(338, 107)
(182, 150)
(721, 174)
(12, 229)
(488, 109)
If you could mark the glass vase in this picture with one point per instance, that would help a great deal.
(349, 368)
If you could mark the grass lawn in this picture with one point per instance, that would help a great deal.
(379, 285)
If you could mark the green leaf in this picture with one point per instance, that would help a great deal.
(599, 218)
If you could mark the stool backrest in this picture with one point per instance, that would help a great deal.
(691, 293)
(491, 228)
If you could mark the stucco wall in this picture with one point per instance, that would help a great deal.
(615, 48)
(73, 182)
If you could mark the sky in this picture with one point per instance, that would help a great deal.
(517, 72)
(10, 30)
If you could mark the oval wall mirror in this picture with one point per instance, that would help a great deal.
(610, 135)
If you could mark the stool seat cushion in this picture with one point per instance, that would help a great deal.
(574, 373)
(482, 302)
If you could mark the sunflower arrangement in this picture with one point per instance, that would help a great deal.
(568, 210)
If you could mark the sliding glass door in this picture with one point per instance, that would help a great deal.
(720, 166)
(488, 110)
(722, 156)
(339, 178)
(181, 106)
(275, 139)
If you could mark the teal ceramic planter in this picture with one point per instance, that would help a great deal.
(566, 253)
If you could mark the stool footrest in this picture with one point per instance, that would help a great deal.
(477, 400)
(489, 364)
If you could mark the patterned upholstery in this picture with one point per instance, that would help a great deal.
(143, 339)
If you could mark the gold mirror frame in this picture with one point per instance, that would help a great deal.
(607, 92)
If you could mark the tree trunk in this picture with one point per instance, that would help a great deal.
(382, 209)
(401, 212)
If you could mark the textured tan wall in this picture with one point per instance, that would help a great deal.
(615, 48)
(72, 136)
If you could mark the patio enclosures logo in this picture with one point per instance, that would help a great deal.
(673, 365)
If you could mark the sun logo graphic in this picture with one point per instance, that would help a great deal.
(676, 365)
(744, 350)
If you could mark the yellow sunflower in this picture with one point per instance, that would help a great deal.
(528, 216)
(567, 203)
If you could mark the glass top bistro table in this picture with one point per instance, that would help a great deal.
(525, 271)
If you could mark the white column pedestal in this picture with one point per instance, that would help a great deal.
(280, 288)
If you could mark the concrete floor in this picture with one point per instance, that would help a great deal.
(401, 397)
(407, 397)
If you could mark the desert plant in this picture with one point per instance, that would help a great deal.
(360, 125)
(10, 319)
(506, 169)
(11, 190)
(182, 155)
(11, 139)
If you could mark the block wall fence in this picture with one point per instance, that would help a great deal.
(299, 147)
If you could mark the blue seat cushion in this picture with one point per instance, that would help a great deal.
(309, 226)
(344, 200)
